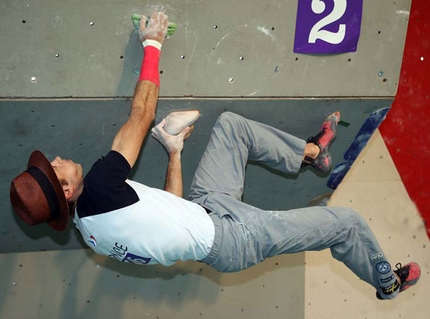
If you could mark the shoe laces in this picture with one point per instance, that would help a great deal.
(324, 136)
(402, 272)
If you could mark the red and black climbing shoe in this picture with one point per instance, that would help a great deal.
(409, 275)
(323, 140)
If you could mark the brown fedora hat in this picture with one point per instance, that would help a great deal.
(37, 196)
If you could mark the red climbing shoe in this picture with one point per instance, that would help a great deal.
(409, 275)
(323, 140)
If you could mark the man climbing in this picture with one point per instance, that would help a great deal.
(134, 223)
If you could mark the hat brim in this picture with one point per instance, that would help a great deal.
(40, 161)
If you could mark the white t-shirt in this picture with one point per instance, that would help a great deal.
(135, 223)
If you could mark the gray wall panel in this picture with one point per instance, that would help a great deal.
(84, 129)
(89, 62)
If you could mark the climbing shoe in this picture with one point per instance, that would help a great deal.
(408, 274)
(323, 140)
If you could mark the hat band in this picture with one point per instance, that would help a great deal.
(48, 190)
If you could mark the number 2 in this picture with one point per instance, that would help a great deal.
(318, 7)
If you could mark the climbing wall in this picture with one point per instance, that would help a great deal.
(405, 131)
(67, 74)
(45, 125)
(391, 191)
(221, 49)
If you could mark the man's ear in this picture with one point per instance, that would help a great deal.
(68, 190)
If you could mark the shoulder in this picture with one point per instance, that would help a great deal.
(109, 166)
(105, 187)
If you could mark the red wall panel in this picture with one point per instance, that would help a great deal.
(406, 130)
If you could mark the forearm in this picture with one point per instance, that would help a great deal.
(129, 139)
(174, 183)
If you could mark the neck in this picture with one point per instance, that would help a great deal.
(74, 200)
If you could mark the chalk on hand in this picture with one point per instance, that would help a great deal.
(177, 121)
(171, 27)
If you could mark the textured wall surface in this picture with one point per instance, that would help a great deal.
(375, 189)
(390, 188)
(80, 285)
(71, 63)
(406, 130)
(89, 48)
(83, 130)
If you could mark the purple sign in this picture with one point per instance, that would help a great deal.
(327, 26)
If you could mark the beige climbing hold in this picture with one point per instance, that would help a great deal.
(177, 121)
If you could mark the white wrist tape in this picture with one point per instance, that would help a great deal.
(152, 43)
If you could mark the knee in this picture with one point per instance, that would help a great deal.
(228, 121)
(352, 219)
(228, 117)
(357, 218)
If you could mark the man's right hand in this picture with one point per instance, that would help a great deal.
(172, 143)
(156, 28)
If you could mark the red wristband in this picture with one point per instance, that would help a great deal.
(149, 69)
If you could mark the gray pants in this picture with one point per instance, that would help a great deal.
(246, 235)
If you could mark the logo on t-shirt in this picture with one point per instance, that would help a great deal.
(135, 259)
(120, 253)
(92, 241)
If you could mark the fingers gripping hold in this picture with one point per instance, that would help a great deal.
(172, 143)
(152, 33)
(154, 28)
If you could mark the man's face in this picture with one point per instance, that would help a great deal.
(67, 170)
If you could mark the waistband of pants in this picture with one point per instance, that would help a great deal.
(213, 254)
(208, 211)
